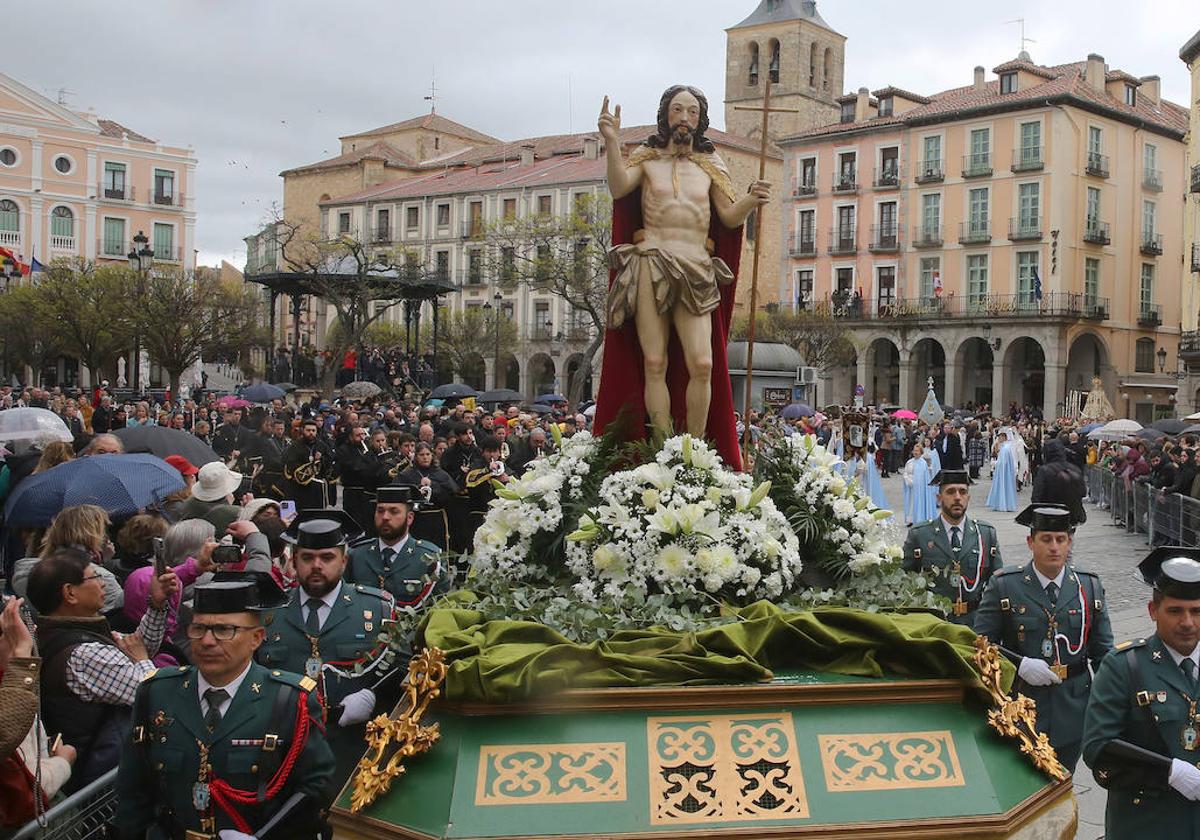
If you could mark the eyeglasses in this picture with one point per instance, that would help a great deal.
(86, 578)
(221, 632)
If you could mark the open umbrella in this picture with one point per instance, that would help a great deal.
(31, 424)
(121, 484)
(539, 408)
(262, 393)
(904, 414)
(361, 390)
(286, 386)
(1150, 433)
(1116, 430)
(501, 395)
(1192, 430)
(453, 390)
(1090, 427)
(231, 401)
(547, 399)
(1169, 426)
(161, 441)
(795, 411)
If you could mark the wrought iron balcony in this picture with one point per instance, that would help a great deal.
(1196, 257)
(803, 244)
(803, 189)
(1096, 232)
(927, 236)
(974, 232)
(380, 235)
(887, 177)
(1152, 243)
(1189, 346)
(977, 165)
(845, 182)
(1150, 315)
(1097, 164)
(842, 240)
(1028, 159)
(472, 229)
(1152, 180)
(1196, 178)
(171, 199)
(116, 192)
(884, 239)
(930, 171)
(1095, 308)
(1024, 228)
(1062, 305)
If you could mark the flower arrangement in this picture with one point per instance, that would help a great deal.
(685, 526)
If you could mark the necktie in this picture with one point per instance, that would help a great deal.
(955, 542)
(1189, 671)
(1052, 592)
(214, 697)
(312, 624)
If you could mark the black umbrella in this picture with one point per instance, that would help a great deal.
(539, 408)
(1192, 430)
(501, 395)
(287, 386)
(161, 441)
(452, 391)
(1150, 434)
(262, 393)
(551, 398)
(1169, 426)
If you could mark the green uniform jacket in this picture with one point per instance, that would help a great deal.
(927, 547)
(1153, 813)
(158, 773)
(417, 575)
(1014, 615)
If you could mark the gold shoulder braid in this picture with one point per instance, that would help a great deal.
(711, 163)
(641, 154)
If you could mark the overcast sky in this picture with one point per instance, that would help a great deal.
(258, 86)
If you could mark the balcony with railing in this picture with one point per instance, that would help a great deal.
(471, 229)
(884, 239)
(1097, 164)
(974, 232)
(1189, 346)
(1095, 308)
(927, 236)
(11, 239)
(471, 276)
(802, 188)
(123, 192)
(845, 182)
(1150, 315)
(1024, 228)
(1152, 180)
(168, 199)
(842, 240)
(803, 244)
(1028, 159)
(977, 165)
(1068, 306)
(1152, 243)
(1096, 232)
(379, 235)
(1196, 257)
(887, 177)
(929, 171)
(1196, 179)
(541, 332)
(63, 243)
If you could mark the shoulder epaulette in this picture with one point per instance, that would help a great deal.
(1007, 570)
(1131, 643)
(1087, 572)
(428, 546)
(290, 678)
(169, 671)
(979, 523)
(361, 541)
(373, 591)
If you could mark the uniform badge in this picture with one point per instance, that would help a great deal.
(200, 796)
(1162, 697)
(368, 615)
(312, 667)
(1021, 609)
(1156, 655)
(1189, 737)
(930, 544)
(368, 626)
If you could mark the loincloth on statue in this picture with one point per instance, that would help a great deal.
(692, 283)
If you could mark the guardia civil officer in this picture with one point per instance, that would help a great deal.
(960, 552)
(412, 570)
(330, 630)
(1050, 618)
(1141, 735)
(227, 749)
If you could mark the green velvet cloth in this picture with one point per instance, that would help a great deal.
(509, 661)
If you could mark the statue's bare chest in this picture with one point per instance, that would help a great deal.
(676, 179)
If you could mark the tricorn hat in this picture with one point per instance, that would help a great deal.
(322, 528)
(232, 592)
(1044, 516)
(392, 494)
(1173, 570)
(945, 477)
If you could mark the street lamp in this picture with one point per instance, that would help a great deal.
(141, 260)
(9, 271)
(498, 298)
(1162, 359)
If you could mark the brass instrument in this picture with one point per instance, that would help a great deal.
(393, 460)
(303, 474)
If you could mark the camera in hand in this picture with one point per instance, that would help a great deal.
(160, 557)
(224, 555)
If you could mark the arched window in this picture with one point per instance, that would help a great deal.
(10, 216)
(827, 70)
(812, 65)
(774, 67)
(62, 222)
(752, 78)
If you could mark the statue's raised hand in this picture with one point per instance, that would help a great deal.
(609, 123)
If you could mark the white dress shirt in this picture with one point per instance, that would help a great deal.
(203, 685)
(327, 602)
(385, 547)
(1044, 581)
(1179, 657)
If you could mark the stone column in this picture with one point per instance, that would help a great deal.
(911, 396)
(865, 373)
(1052, 389)
(952, 371)
(999, 403)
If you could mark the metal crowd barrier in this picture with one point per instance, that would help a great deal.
(87, 814)
(1164, 518)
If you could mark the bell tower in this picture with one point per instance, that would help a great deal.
(787, 44)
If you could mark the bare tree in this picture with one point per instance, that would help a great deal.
(565, 255)
(87, 307)
(816, 335)
(472, 335)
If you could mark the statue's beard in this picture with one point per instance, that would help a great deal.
(681, 135)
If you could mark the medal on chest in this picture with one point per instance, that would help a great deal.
(955, 574)
(200, 793)
(312, 666)
(1189, 736)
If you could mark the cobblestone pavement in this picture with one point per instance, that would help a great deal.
(1101, 547)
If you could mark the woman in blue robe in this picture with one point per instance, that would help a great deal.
(874, 487)
(1003, 495)
(924, 506)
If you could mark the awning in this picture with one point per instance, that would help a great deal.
(1163, 385)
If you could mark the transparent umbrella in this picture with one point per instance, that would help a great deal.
(32, 424)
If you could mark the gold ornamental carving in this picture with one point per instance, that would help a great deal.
(724, 768)
(890, 761)
(550, 774)
(1015, 717)
(392, 740)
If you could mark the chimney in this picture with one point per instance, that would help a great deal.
(591, 147)
(527, 154)
(980, 78)
(1151, 89)
(862, 107)
(1095, 72)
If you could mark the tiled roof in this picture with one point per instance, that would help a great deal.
(1064, 83)
(892, 90)
(782, 11)
(1121, 75)
(1027, 66)
(112, 128)
(390, 156)
(431, 122)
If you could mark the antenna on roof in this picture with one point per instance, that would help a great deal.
(432, 97)
(1021, 24)
(63, 93)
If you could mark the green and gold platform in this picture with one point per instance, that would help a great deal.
(808, 754)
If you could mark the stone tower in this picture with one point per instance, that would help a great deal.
(788, 43)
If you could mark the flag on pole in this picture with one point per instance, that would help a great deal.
(937, 284)
(35, 266)
(1037, 286)
(5, 253)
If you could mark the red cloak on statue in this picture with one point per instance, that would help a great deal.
(622, 375)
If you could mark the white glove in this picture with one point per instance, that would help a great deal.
(1037, 672)
(357, 707)
(1185, 778)
(230, 834)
